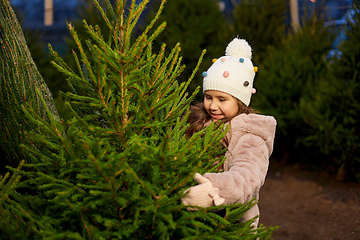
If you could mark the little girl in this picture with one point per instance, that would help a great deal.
(227, 87)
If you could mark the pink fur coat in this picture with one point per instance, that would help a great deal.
(251, 139)
(247, 159)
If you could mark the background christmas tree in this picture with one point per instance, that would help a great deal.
(19, 78)
(333, 117)
(300, 71)
(196, 25)
(261, 23)
(119, 167)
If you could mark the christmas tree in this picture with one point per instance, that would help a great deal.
(262, 23)
(119, 167)
(333, 119)
(196, 25)
(19, 78)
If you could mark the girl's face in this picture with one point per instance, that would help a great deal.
(220, 105)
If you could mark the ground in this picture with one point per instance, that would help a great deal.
(309, 205)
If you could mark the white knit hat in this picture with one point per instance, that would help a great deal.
(233, 73)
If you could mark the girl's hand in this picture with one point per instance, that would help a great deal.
(202, 195)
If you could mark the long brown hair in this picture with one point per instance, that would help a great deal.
(198, 116)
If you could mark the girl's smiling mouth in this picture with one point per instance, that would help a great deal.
(216, 116)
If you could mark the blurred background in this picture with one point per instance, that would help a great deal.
(308, 55)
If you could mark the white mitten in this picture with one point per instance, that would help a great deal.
(199, 195)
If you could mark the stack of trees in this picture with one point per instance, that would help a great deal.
(314, 99)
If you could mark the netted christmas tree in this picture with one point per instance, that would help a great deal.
(19, 78)
(118, 168)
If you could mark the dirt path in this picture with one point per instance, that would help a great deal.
(309, 206)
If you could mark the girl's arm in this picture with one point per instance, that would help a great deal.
(249, 161)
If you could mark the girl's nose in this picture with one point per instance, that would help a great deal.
(213, 106)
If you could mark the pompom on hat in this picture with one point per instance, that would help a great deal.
(233, 73)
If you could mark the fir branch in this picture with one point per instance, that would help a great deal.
(82, 52)
(54, 179)
(191, 77)
(50, 115)
(80, 119)
(172, 56)
(156, 33)
(101, 79)
(150, 26)
(99, 39)
(8, 185)
(142, 183)
(134, 15)
(36, 157)
(59, 62)
(74, 78)
(94, 160)
(185, 180)
(52, 128)
(118, 32)
(116, 120)
(108, 23)
(174, 72)
(111, 9)
(158, 60)
(80, 69)
(127, 30)
(36, 119)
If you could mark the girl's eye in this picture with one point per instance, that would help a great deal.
(222, 100)
(207, 97)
